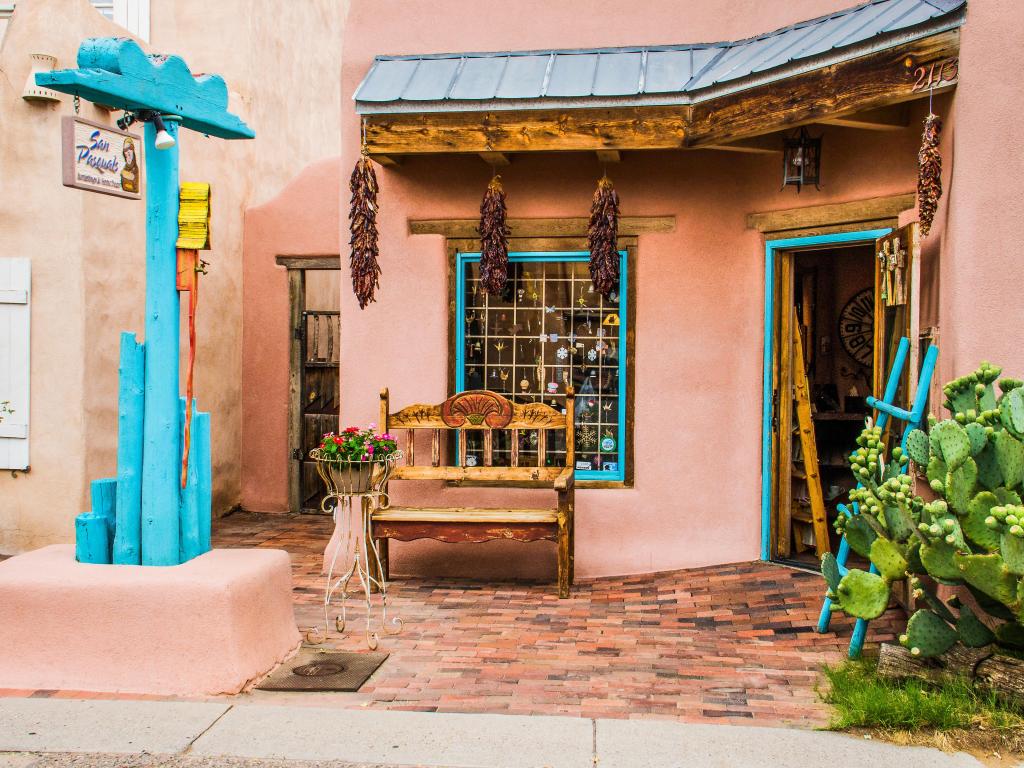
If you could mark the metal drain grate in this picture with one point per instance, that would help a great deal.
(316, 670)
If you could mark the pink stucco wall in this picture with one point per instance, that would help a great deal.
(301, 221)
(700, 288)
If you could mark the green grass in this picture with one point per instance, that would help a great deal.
(860, 699)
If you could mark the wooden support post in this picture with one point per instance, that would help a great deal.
(92, 539)
(188, 513)
(204, 479)
(130, 405)
(104, 501)
(161, 462)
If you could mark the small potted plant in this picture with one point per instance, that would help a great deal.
(356, 458)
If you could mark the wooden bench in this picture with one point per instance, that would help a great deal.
(484, 411)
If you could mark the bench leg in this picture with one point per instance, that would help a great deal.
(565, 549)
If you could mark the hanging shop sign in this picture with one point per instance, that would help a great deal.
(98, 158)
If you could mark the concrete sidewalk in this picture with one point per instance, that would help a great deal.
(194, 734)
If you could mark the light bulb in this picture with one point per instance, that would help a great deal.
(164, 140)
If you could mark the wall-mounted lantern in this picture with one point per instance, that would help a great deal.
(41, 62)
(801, 160)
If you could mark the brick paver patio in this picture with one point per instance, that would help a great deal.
(732, 643)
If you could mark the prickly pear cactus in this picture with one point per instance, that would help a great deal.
(970, 533)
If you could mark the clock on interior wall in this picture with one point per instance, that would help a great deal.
(857, 326)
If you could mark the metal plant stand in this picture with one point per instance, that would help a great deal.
(354, 491)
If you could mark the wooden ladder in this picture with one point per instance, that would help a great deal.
(809, 447)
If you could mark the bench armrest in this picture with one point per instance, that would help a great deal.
(565, 480)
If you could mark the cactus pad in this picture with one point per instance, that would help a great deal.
(1009, 456)
(936, 471)
(954, 445)
(862, 594)
(1011, 635)
(961, 485)
(988, 468)
(928, 635)
(888, 559)
(898, 523)
(1011, 412)
(914, 564)
(1012, 549)
(977, 437)
(988, 574)
(918, 448)
(974, 521)
(937, 558)
(859, 535)
(972, 632)
(830, 570)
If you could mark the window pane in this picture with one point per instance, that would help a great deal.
(547, 330)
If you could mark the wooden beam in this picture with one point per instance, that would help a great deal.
(495, 158)
(868, 82)
(895, 117)
(832, 213)
(769, 144)
(527, 131)
(865, 83)
(609, 156)
(385, 161)
(325, 261)
(571, 227)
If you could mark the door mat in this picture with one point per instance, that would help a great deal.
(316, 670)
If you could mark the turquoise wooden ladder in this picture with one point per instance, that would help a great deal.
(912, 419)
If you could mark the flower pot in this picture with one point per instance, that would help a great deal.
(354, 476)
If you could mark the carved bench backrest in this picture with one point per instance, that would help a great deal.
(485, 411)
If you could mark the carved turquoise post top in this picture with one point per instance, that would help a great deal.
(162, 92)
(115, 71)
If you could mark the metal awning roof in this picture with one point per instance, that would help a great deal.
(644, 75)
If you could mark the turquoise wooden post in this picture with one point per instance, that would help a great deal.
(92, 539)
(127, 531)
(104, 501)
(161, 461)
(116, 72)
(204, 477)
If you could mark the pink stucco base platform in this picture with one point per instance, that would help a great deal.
(209, 626)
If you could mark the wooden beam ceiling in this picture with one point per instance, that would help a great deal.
(768, 144)
(837, 92)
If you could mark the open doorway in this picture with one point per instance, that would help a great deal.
(838, 307)
(314, 375)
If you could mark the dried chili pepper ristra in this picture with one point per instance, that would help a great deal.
(494, 234)
(603, 237)
(362, 222)
(929, 178)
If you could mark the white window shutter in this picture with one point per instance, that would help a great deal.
(15, 312)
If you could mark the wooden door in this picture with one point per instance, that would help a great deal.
(782, 410)
(320, 398)
(897, 311)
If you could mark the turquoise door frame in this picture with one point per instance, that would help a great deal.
(771, 250)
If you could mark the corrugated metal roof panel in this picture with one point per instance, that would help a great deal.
(572, 74)
(618, 74)
(668, 71)
(431, 80)
(387, 80)
(655, 71)
(479, 78)
(523, 77)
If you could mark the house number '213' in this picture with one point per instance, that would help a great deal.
(936, 74)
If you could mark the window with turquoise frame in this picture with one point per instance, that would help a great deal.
(548, 330)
